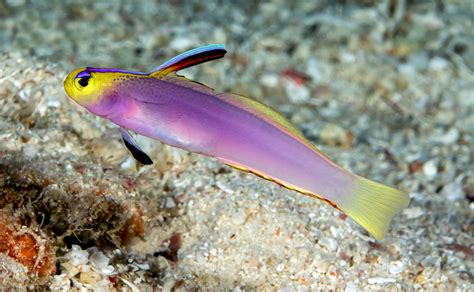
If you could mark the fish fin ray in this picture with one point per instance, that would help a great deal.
(373, 205)
(190, 58)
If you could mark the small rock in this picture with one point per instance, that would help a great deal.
(332, 272)
(297, 93)
(70, 269)
(322, 267)
(429, 20)
(170, 203)
(100, 262)
(438, 64)
(318, 70)
(129, 163)
(415, 166)
(412, 213)
(430, 169)
(450, 137)
(30, 150)
(329, 243)
(396, 267)
(15, 3)
(168, 284)
(77, 256)
(453, 191)
(445, 117)
(144, 266)
(270, 80)
(352, 287)
(89, 277)
(469, 188)
(238, 218)
(224, 187)
(380, 281)
(61, 282)
(347, 57)
(182, 43)
(407, 69)
(334, 135)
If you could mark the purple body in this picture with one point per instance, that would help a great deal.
(201, 121)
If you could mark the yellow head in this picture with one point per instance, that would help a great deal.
(86, 85)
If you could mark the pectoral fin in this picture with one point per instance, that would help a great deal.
(190, 58)
(134, 149)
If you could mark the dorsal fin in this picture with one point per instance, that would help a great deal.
(190, 58)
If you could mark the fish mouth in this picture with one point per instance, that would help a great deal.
(67, 86)
(69, 83)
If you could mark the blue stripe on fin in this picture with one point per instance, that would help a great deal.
(190, 58)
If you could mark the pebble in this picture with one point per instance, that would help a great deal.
(407, 69)
(380, 281)
(334, 135)
(413, 213)
(224, 187)
(89, 277)
(61, 282)
(450, 137)
(430, 169)
(329, 243)
(170, 203)
(296, 93)
(100, 262)
(168, 284)
(30, 150)
(453, 191)
(438, 64)
(77, 256)
(334, 231)
(322, 267)
(396, 267)
(238, 217)
(15, 3)
(469, 187)
(182, 43)
(70, 269)
(270, 80)
(352, 287)
(129, 163)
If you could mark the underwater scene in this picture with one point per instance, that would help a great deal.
(237, 145)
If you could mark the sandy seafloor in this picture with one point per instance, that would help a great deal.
(385, 88)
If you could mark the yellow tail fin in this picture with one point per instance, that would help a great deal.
(373, 205)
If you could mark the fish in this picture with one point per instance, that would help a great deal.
(238, 131)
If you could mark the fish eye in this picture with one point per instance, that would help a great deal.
(84, 81)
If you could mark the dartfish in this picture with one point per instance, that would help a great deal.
(237, 130)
